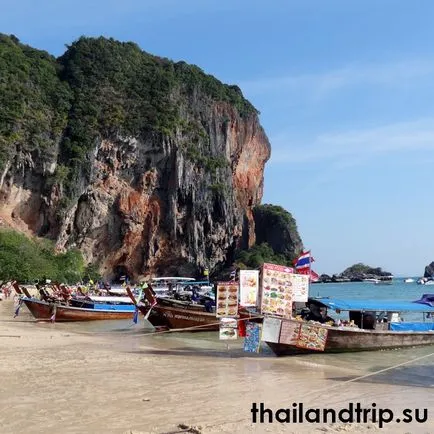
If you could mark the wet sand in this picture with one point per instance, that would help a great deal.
(111, 377)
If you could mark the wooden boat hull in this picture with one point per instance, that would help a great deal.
(42, 310)
(346, 340)
(174, 317)
(190, 317)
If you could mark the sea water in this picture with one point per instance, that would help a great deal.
(398, 290)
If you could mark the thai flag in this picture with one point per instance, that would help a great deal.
(313, 277)
(303, 261)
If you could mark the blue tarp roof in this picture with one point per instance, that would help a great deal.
(375, 305)
(426, 299)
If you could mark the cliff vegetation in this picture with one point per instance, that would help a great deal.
(277, 238)
(30, 260)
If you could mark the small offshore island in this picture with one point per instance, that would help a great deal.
(357, 273)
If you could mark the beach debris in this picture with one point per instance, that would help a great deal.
(190, 429)
(184, 428)
(146, 399)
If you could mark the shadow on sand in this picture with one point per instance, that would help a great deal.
(196, 352)
(414, 376)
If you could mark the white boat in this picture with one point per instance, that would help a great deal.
(164, 286)
(109, 299)
(429, 282)
(408, 280)
(117, 290)
(371, 280)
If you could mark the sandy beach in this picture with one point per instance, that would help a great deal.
(99, 378)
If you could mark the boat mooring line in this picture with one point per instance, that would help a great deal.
(165, 331)
(326, 389)
(371, 374)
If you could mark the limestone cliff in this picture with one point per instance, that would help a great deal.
(147, 166)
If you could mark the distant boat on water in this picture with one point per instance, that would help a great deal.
(383, 281)
(371, 280)
(408, 280)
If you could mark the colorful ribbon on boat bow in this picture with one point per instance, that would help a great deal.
(53, 316)
(136, 312)
(17, 310)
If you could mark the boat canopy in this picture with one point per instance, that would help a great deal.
(426, 299)
(374, 305)
(175, 279)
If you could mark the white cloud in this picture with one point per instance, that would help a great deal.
(320, 85)
(353, 146)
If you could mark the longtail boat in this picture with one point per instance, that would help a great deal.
(54, 310)
(45, 311)
(375, 325)
(177, 314)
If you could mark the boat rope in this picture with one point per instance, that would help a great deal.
(157, 333)
(328, 388)
(361, 377)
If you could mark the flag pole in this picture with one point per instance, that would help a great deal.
(310, 266)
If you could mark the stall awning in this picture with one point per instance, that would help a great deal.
(374, 305)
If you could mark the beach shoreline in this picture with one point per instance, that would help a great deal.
(75, 379)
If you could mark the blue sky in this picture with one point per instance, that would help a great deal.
(345, 91)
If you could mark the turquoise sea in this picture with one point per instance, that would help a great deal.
(361, 290)
(398, 290)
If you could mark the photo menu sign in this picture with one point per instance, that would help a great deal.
(300, 287)
(277, 290)
(227, 299)
(249, 287)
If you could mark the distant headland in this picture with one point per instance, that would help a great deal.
(357, 273)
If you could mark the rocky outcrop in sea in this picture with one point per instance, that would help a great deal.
(429, 271)
(357, 273)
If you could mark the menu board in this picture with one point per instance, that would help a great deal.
(252, 341)
(289, 332)
(271, 329)
(276, 297)
(228, 329)
(227, 299)
(312, 337)
(300, 287)
(249, 286)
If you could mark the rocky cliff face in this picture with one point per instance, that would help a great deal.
(145, 165)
